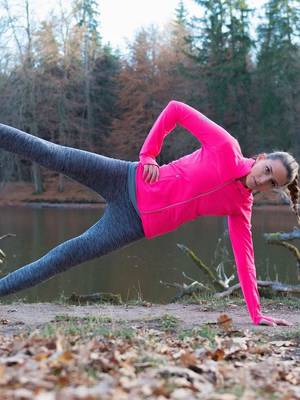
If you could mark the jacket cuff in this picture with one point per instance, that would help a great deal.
(256, 320)
(147, 160)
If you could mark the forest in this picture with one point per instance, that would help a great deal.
(61, 82)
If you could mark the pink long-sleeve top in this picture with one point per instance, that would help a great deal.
(205, 182)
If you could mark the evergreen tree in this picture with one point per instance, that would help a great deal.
(221, 46)
(104, 97)
(86, 13)
(278, 76)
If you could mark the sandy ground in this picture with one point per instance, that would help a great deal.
(18, 318)
(21, 317)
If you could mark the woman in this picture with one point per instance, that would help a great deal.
(145, 200)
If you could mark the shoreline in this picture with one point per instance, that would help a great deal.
(47, 204)
(101, 204)
(75, 195)
(20, 315)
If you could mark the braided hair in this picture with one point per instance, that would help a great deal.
(294, 190)
(292, 168)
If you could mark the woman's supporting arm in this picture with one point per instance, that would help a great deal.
(205, 130)
(239, 227)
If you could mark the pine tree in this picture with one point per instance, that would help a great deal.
(104, 98)
(86, 14)
(278, 76)
(221, 47)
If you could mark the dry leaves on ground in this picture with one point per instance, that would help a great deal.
(217, 363)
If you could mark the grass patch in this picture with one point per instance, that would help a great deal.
(88, 319)
(240, 390)
(291, 334)
(291, 303)
(204, 331)
(86, 326)
(211, 303)
(168, 322)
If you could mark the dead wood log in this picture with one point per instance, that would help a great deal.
(186, 290)
(196, 288)
(220, 281)
(294, 234)
(95, 298)
(276, 287)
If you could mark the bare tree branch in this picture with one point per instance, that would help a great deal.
(294, 234)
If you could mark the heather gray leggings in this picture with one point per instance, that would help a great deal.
(119, 225)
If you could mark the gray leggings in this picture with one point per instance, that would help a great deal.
(119, 225)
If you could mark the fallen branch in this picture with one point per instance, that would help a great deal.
(186, 290)
(95, 298)
(277, 287)
(294, 234)
(220, 282)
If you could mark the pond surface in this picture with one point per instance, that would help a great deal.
(136, 270)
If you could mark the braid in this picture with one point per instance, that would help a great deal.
(295, 194)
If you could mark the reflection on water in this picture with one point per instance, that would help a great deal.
(136, 269)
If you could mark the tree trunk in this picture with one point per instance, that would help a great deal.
(61, 183)
(37, 178)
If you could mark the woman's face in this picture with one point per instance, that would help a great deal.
(266, 174)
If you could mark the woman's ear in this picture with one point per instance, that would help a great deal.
(261, 156)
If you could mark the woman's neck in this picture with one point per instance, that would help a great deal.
(243, 180)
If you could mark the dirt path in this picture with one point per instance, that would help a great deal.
(21, 317)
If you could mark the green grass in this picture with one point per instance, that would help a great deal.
(88, 319)
(204, 331)
(291, 334)
(239, 390)
(86, 326)
(168, 322)
(209, 301)
(214, 304)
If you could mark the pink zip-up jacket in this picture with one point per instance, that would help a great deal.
(204, 182)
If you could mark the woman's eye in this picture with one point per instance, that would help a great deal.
(267, 169)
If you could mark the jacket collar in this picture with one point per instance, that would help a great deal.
(245, 166)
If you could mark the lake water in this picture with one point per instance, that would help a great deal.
(136, 270)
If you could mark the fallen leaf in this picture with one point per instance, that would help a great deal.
(187, 359)
(218, 355)
(225, 322)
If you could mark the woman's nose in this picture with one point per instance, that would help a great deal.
(262, 180)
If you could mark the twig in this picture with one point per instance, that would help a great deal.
(7, 235)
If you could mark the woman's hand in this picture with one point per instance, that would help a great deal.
(265, 320)
(151, 173)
